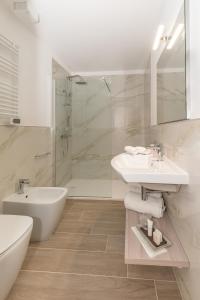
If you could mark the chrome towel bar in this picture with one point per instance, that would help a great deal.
(42, 155)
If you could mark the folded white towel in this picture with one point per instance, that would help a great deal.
(152, 206)
(137, 150)
(150, 251)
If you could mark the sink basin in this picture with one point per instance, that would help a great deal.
(128, 161)
(157, 172)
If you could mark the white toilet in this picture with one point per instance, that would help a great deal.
(15, 232)
(44, 204)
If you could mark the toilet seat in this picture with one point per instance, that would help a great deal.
(12, 228)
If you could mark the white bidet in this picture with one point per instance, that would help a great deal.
(44, 204)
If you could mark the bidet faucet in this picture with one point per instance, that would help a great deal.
(21, 183)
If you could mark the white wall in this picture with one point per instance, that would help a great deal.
(35, 71)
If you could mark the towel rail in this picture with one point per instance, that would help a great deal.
(9, 69)
(7, 114)
(9, 62)
(7, 85)
(6, 65)
(8, 109)
(12, 94)
(42, 155)
(7, 89)
(8, 44)
(7, 101)
(9, 106)
(9, 98)
(8, 72)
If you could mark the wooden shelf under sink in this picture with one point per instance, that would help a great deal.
(135, 253)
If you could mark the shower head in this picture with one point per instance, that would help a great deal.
(81, 80)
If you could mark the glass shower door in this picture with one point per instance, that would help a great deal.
(63, 132)
(91, 139)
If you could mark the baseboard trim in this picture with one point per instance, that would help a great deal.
(94, 198)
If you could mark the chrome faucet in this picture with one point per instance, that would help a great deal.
(21, 183)
(158, 149)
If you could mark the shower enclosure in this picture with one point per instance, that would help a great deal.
(95, 117)
(83, 142)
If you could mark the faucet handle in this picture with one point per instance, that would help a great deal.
(155, 146)
(20, 185)
(24, 181)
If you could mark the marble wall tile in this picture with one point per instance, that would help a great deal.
(18, 146)
(181, 141)
(103, 123)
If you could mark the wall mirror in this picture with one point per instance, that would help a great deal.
(171, 74)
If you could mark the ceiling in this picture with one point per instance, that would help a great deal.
(100, 35)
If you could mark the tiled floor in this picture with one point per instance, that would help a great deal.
(84, 260)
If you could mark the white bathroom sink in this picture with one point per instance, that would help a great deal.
(159, 172)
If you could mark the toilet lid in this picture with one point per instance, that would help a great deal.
(12, 229)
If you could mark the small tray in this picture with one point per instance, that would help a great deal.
(165, 243)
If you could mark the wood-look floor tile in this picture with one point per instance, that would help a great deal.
(78, 262)
(74, 226)
(44, 286)
(74, 242)
(80, 205)
(116, 244)
(109, 228)
(151, 272)
(92, 227)
(71, 216)
(167, 290)
(103, 216)
(98, 203)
